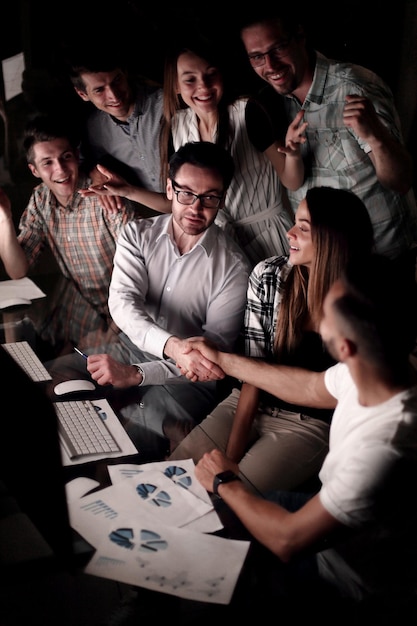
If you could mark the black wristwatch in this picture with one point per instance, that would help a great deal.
(223, 477)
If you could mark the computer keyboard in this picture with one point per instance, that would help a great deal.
(24, 355)
(82, 430)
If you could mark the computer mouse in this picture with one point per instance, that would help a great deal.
(73, 386)
(9, 302)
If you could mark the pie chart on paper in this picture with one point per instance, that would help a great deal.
(151, 541)
(176, 473)
(149, 492)
(123, 537)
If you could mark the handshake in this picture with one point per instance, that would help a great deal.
(199, 360)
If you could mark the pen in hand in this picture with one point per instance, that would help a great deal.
(82, 353)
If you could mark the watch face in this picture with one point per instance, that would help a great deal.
(226, 476)
(223, 477)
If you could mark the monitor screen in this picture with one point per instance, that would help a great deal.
(31, 472)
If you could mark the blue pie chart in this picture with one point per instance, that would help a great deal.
(176, 473)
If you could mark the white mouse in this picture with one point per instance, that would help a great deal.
(73, 386)
(5, 304)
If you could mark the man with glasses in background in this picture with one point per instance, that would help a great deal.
(353, 136)
(175, 276)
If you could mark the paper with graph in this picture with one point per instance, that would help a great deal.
(143, 529)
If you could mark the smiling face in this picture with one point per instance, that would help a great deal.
(109, 92)
(199, 83)
(56, 163)
(284, 70)
(302, 250)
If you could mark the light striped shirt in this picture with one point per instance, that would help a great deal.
(335, 157)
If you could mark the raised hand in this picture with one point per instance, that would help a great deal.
(359, 114)
(295, 136)
(109, 186)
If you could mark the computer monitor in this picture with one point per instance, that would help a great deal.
(31, 472)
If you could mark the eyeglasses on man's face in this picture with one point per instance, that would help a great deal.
(275, 54)
(188, 198)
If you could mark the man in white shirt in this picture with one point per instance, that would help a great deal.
(175, 276)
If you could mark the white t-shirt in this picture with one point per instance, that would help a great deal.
(369, 482)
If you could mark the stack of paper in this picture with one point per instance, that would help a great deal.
(149, 529)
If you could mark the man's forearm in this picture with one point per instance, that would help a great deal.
(11, 253)
(291, 384)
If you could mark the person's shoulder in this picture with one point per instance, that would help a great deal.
(239, 104)
(218, 239)
(41, 193)
(348, 71)
(266, 98)
(273, 264)
(267, 107)
(96, 118)
(39, 188)
(145, 89)
(183, 115)
(155, 223)
(410, 398)
(337, 377)
(271, 269)
(83, 181)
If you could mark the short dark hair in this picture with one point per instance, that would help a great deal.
(206, 155)
(89, 59)
(46, 128)
(288, 16)
(379, 310)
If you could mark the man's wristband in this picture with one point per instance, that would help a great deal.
(223, 477)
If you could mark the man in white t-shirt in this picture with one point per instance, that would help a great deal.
(356, 537)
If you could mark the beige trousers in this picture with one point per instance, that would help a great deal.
(286, 449)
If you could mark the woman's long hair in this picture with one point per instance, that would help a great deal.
(173, 102)
(340, 230)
